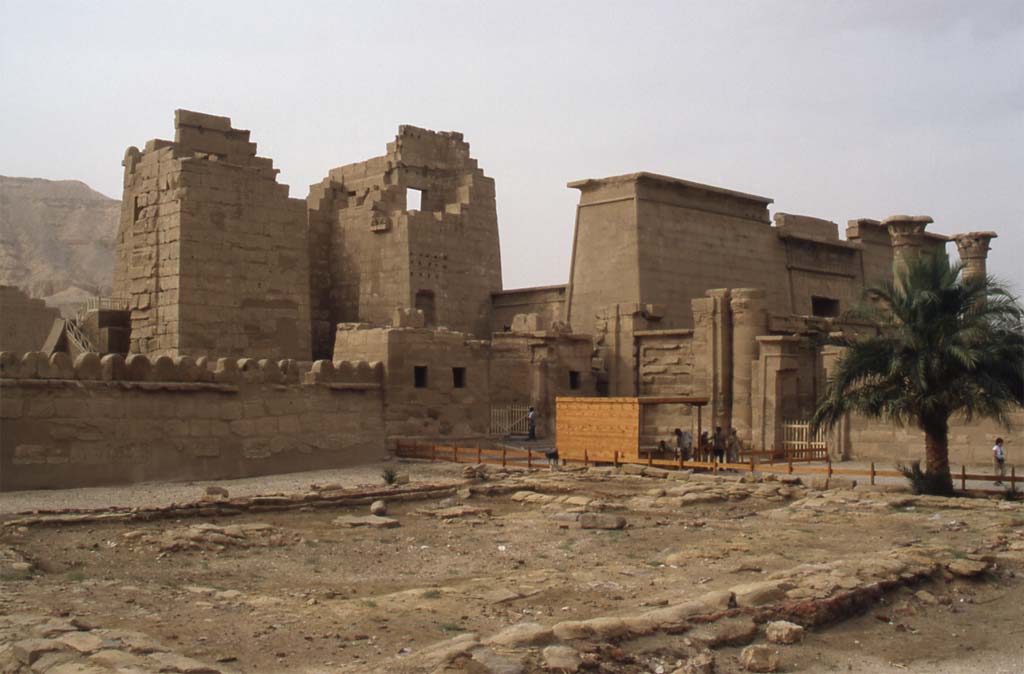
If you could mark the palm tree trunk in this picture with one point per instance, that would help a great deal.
(936, 452)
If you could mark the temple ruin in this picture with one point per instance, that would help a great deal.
(253, 332)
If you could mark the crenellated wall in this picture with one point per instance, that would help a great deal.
(114, 420)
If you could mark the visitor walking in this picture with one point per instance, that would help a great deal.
(999, 459)
(531, 424)
(705, 446)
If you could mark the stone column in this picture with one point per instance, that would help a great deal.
(749, 321)
(973, 248)
(907, 235)
(712, 348)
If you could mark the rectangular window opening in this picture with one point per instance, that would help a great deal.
(574, 380)
(459, 377)
(419, 376)
(826, 307)
(413, 199)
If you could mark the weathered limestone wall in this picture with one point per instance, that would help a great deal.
(24, 322)
(605, 239)
(113, 420)
(547, 302)
(871, 440)
(443, 258)
(533, 368)
(212, 253)
(438, 408)
(666, 369)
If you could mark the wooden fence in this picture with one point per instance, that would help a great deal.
(533, 459)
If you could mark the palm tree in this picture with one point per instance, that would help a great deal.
(944, 345)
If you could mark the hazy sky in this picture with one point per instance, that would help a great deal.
(834, 109)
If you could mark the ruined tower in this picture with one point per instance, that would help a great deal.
(212, 254)
(374, 250)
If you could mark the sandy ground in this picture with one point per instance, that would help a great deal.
(303, 593)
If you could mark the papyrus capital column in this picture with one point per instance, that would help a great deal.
(907, 235)
(973, 248)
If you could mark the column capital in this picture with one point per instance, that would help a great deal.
(974, 245)
(907, 230)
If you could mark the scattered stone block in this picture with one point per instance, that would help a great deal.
(967, 568)
(601, 521)
(759, 659)
(28, 651)
(522, 634)
(83, 642)
(367, 521)
(561, 659)
(726, 632)
(379, 508)
(784, 632)
(761, 592)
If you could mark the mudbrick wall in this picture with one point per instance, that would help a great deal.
(104, 421)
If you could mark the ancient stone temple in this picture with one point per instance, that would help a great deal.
(252, 332)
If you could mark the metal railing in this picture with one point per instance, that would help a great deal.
(77, 336)
(99, 303)
(510, 420)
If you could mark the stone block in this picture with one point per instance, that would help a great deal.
(271, 371)
(10, 365)
(61, 367)
(88, 366)
(112, 367)
(137, 368)
(28, 651)
(226, 371)
(187, 369)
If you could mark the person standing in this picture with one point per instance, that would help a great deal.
(684, 444)
(733, 445)
(531, 424)
(718, 444)
(999, 459)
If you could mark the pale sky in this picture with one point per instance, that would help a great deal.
(834, 109)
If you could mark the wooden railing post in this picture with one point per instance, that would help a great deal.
(789, 463)
(1013, 477)
(872, 473)
(751, 465)
(478, 454)
(963, 477)
(650, 458)
(615, 458)
(586, 458)
(455, 453)
(503, 451)
(433, 452)
(529, 458)
(829, 461)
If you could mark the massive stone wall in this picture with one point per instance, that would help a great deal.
(442, 257)
(666, 366)
(546, 302)
(651, 239)
(211, 252)
(24, 322)
(110, 420)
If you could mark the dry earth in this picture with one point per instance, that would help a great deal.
(499, 575)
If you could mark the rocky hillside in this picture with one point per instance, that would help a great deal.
(56, 238)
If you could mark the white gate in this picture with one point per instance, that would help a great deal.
(509, 419)
(798, 440)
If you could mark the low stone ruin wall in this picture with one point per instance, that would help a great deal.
(969, 443)
(114, 420)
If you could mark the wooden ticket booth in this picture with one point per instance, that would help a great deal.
(601, 429)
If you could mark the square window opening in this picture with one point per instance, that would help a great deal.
(825, 307)
(419, 376)
(413, 199)
(459, 377)
(574, 380)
